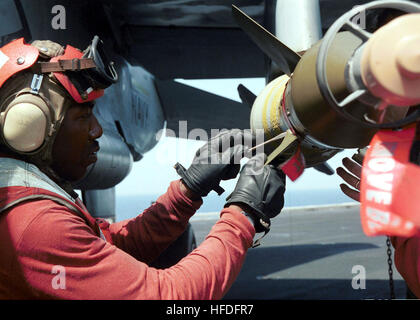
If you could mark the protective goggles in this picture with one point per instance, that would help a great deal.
(84, 75)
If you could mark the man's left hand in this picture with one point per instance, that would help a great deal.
(351, 174)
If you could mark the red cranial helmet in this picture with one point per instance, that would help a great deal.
(38, 82)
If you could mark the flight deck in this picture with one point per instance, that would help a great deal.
(313, 253)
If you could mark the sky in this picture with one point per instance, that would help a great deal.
(155, 171)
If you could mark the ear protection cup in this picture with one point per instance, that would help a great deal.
(25, 123)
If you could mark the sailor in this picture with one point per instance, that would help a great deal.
(52, 248)
(407, 250)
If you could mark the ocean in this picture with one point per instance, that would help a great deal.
(129, 206)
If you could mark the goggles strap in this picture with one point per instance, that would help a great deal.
(64, 65)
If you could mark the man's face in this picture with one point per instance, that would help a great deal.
(75, 146)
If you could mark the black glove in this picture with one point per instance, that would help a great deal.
(261, 187)
(219, 159)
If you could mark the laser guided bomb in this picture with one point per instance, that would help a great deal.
(341, 91)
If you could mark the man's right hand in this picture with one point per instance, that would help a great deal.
(219, 159)
(261, 188)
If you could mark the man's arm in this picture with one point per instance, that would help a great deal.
(188, 192)
(146, 236)
(92, 268)
(95, 269)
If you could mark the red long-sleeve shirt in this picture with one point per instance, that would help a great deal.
(48, 251)
(407, 261)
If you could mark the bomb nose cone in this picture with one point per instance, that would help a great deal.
(391, 61)
(408, 56)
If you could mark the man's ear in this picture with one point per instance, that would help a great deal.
(26, 123)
